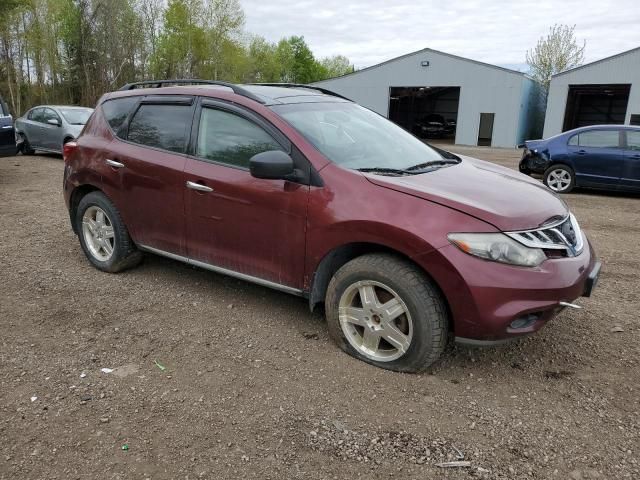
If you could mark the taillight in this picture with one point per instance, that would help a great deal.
(68, 150)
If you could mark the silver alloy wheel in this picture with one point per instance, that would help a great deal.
(559, 180)
(97, 230)
(375, 321)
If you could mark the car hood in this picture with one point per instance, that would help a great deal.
(500, 196)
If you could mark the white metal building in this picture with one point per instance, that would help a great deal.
(602, 92)
(481, 104)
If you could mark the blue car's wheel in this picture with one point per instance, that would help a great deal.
(560, 178)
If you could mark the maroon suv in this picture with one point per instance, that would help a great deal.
(299, 189)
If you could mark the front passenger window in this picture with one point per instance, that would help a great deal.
(228, 138)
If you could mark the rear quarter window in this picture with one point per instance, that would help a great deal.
(117, 110)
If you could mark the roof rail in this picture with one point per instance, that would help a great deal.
(162, 83)
(302, 85)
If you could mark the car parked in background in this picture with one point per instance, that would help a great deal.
(430, 126)
(298, 189)
(601, 156)
(48, 127)
(7, 134)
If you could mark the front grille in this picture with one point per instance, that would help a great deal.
(564, 235)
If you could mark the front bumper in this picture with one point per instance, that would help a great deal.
(492, 302)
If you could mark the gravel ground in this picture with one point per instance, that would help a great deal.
(251, 386)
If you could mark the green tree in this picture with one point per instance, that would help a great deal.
(555, 53)
(336, 66)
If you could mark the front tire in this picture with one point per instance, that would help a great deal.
(560, 178)
(103, 235)
(26, 146)
(383, 310)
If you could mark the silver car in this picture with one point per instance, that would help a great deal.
(48, 128)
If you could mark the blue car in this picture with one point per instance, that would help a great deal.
(599, 156)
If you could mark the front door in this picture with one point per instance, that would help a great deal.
(631, 172)
(52, 135)
(148, 169)
(234, 221)
(597, 157)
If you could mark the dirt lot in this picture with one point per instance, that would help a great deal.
(253, 387)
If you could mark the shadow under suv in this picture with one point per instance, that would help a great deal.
(299, 189)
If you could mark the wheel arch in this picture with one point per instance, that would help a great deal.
(78, 194)
(340, 255)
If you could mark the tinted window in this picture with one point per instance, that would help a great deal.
(161, 126)
(2, 112)
(633, 140)
(116, 111)
(37, 115)
(227, 138)
(600, 138)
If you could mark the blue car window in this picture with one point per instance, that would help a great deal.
(633, 140)
(600, 139)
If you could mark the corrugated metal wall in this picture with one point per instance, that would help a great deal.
(619, 69)
(483, 89)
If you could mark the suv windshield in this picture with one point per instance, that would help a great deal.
(357, 138)
(76, 116)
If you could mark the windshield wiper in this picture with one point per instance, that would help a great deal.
(394, 171)
(433, 163)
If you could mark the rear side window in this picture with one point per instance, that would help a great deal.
(600, 139)
(116, 111)
(574, 140)
(228, 138)
(633, 140)
(161, 126)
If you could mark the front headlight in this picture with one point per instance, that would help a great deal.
(497, 248)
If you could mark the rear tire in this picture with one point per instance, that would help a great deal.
(103, 235)
(385, 311)
(560, 178)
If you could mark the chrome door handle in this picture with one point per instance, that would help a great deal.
(114, 164)
(199, 187)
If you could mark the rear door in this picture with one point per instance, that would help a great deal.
(236, 222)
(597, 157)
(631, 173)
(149, 166)
(7, 135)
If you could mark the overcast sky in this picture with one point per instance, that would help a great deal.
(498, 32)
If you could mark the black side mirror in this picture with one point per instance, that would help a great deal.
(274, 164)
